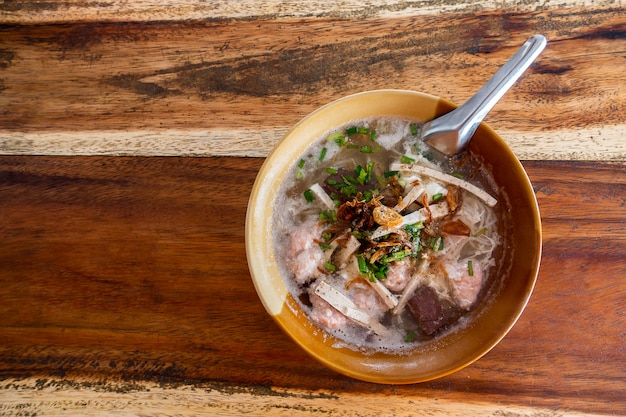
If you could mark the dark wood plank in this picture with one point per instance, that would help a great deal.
(133, 269)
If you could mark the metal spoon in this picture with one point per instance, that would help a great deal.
(452, 132)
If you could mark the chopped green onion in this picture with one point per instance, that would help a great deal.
(299, 175)
(330, 267)
(348, 188)
(372, 271)
(458, 174)
(339, 138)
(331, 181)
(413, 128)
(323, 154)
(331, 170)
(301, 163)
(380, 273)
(436, 244)
(470, 268)
(336, 136)
(308, 195)
(349, 180)
(394, 256)
(414, 231)
(370, 194)
(351, 130)
(359, 234)
(407, 159)
(418, 225)
(373, 135)
(480, 232)
(363, 130)
(366, 149)
(362, 265)
(417, 246)
(410, 337)
(325, 246)
(363, 175)
(328, 215)
(437, 196)
(389, 174)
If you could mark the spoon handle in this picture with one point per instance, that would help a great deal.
(467, 117)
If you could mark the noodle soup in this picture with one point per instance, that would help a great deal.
(382, 244)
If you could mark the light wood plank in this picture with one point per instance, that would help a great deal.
(56, 397)
(595, 144)
(149, 10)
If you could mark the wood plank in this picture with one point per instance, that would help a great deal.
(145, 10)
(567, 203)
(233, 87)
(52, 398)
(124, 287)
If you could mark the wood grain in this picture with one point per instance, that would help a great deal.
(124, 288)
(89, 78)
(26, 11)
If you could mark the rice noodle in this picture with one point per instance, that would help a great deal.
(480, 245)
(433, 173)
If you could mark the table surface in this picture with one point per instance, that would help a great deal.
(131, 133)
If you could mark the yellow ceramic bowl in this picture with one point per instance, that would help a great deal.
(491, 320)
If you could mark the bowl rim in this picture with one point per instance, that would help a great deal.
(276, 300)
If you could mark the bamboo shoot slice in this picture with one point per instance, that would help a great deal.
(413, 194)
(323, 196)
(389, 299)
(412, 285)
(438, 175)
(346, 306)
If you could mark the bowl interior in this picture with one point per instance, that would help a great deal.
(444, 355)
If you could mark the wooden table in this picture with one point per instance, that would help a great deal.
(130, 136)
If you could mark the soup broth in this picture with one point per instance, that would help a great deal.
(383, 243)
